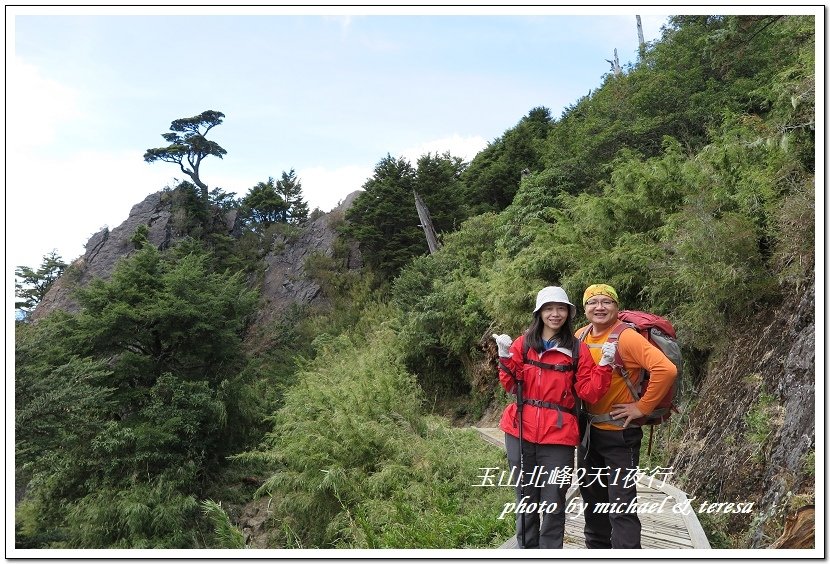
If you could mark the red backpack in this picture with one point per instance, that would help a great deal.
(660, 333)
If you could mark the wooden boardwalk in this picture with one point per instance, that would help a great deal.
(663, 529)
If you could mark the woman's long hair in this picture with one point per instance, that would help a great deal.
(533, 335)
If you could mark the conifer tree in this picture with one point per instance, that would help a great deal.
(31, 285)
(124, 408)
(263, 205)
(438, 180)
(189, 146)
(383, 218)
(290, 190)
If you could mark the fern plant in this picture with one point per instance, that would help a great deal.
(225, 534)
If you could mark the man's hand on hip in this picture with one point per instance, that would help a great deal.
(627, 411)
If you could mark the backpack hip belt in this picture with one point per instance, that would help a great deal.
(606, 418)
(548, 405)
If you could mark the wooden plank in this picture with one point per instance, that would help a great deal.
(651, 536)
(696, 532)
(659, 530)
(673, 524)
(669, 525)
(489, 435)
(663, 535)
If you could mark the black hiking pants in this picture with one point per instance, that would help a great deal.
(611, 455)
(545, 529)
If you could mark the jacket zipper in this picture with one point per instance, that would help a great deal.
(539, 395)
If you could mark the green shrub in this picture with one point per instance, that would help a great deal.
(444, 314)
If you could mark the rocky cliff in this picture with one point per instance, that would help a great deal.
(750, 433)
(284, 282)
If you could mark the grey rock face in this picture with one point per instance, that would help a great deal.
(786, 470)
(285, 282)
(105, 248)
(751, 432)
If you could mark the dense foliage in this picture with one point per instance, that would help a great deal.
(383, 218)
(693, 218)
(125, 409)
(273, 202)
(687, 182)
(491, 181)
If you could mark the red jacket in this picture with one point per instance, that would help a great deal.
(541, 424)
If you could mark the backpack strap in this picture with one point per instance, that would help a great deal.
(578, 404)
(605, 418)
(626, 376)
(613, 337)
(548, 366)
(557, 367)
(572, 367)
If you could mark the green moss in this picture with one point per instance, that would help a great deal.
(810, 463)
(717, 529)
(759, 423)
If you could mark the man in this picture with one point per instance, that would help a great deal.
(610, 450)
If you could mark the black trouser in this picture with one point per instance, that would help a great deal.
(546, 529)
(613, 454)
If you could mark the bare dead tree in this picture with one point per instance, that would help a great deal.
(642, 40)
(426, 223)
(615, 64)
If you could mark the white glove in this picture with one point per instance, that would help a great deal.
(503, 342)
(609, 350)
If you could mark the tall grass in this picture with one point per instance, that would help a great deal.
(360, 465)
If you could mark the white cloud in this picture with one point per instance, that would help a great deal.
(38, 105)
(60, 202)
(325, 188)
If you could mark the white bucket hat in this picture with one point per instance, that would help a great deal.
(553, 294)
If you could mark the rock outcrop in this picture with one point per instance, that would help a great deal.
(105, 248)
(285, 281)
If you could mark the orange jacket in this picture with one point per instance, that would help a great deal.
(636, 353)
(541, 424)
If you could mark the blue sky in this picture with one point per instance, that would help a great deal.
(328, 92)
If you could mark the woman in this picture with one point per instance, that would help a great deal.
(547, 368)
